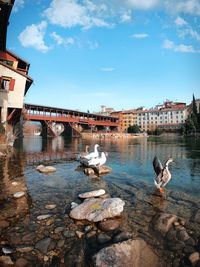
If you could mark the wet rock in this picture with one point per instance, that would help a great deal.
(24, 249)
(28, 237)
(75, 255)
(109, 225)
(15, 183)
(197, 216)
(79, 234)
(7, 250)
(50, 206)
(43, 217)
(19, 194)
(60, 243)
(6, 260)
(88, 228)
(95, 193)
(21, 262)
(194, 258)
(89, 171)
(102, 170)
(122, 236)
(98, 209)
(182, 235)
(162, 223)
(4, 224)
(58, 230)
(73, 205)
(43, 245)
(103, 238)
(45, 169)
(129, 253)
(68, 234)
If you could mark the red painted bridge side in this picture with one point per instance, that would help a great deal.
(44, 113)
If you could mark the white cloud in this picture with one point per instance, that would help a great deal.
(33, 36)
(142, 4)
(184, 48)
(70, 13)
(62, 41)
(18, 5)
(179, 48)
(168, 44)
(107, 69)
(191, 7)
(180, 21)
(140, 35)
(126, 16)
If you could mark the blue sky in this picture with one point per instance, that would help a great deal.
(119, 53)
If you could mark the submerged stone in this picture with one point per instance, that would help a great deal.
(43, 245)
(19, 194)
(45, 169)
(43, 217)
(163, 222)
(96, 209)
(95, 193)
(131, 253)
(102, 170)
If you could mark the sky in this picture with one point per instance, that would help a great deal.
(119, 53)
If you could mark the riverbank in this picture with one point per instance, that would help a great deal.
(36, 229)
(112, 136)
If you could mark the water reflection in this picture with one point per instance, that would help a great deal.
(131, 159)
(12, 180)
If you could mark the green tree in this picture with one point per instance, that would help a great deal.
(133, 129)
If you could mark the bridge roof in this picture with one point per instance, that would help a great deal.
(48, 108)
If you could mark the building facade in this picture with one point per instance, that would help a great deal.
(14, 79)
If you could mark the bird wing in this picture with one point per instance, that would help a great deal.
(157, 165)
(166, 176)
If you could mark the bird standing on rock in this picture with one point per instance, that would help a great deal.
(163, 174)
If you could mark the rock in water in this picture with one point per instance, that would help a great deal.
(95, 193)
(97, 209)
(131, 253)
(19, 194)
(45, 169)
(102, 170)
(163, 222)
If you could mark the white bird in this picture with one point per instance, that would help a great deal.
(83, 154)
(97, 162)
(163, 174)
(93, 154)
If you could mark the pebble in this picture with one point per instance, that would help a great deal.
(58, 230)
(21, 262)
(7, 250)
(60, 243)
(73, 205)
(109, 225)
(95, 193)
(6, 260)
(4, 224)
(193, 258)
(19, 194)
(43, 217)
(24, 249)
(79, 234)
(15, 183)
(50, 206)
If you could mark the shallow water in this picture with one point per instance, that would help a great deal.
(131, 180)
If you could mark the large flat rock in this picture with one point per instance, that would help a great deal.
(131, 253)
(96, 209)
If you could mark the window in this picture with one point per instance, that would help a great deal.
(7, 83)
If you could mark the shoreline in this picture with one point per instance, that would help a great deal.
(113, 136)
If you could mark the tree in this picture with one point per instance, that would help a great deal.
(133, 129)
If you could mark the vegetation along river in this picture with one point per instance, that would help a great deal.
(169, 223)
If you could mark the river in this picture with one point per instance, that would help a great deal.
(131, 179)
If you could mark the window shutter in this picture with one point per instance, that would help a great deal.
(12, 85)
